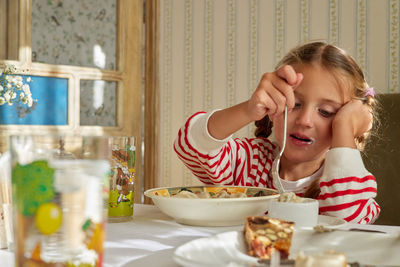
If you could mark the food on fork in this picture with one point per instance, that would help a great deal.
(263, 235)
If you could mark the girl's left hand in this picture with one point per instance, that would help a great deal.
(352, 120)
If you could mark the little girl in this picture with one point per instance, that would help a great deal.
(330, 114)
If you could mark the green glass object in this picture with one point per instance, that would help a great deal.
(30, 179)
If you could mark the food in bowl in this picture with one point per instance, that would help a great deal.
(263, 235)
(213, 192)
(224, 193)
(290, 197)
(214, 209)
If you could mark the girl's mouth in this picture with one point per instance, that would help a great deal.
(302, 139)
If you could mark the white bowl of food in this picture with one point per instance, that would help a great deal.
(302, 211)
(212, 205)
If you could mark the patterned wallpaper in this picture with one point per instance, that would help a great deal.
(213, 52)
(80, 33)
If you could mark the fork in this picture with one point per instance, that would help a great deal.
(275, 166)
(291, 262)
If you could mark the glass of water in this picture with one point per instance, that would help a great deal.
(59, 192)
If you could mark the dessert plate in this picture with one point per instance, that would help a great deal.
(223, 249)
(229, 248)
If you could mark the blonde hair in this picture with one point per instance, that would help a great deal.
(337, 61)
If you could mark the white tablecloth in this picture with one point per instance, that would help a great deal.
(151, 238)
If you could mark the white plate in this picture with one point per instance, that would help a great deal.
(218, 250)
(229, 248)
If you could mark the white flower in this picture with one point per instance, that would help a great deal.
(26, 88)
(30, 101)
(13, 89)
(10, 68)
(7, 96)
(18, 79)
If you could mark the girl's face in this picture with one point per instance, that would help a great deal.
(309, 126)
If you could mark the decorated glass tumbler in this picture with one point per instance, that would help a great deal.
(122, 178)
(60, 186)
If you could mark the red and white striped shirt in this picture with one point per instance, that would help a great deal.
(347, 188)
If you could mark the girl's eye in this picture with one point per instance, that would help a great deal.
(297, 105)
(325, 113)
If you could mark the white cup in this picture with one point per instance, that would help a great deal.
(303, 214)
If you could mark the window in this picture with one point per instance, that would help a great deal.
(85, 60)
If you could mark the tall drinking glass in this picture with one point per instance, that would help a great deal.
(122, 178)
(59, 188)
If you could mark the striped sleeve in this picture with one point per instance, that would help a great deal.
(231, 161)
(347, 188)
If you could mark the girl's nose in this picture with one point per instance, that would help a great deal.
(305, 117)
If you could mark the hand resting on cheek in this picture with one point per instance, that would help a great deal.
(352, 120)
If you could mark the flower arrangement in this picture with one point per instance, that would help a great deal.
(13, 88)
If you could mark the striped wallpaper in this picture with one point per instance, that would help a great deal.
(213, 52)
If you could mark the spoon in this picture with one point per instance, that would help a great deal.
(275, 165)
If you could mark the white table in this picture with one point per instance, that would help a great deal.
(151, 238)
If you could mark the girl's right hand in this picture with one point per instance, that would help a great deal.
(274, 91)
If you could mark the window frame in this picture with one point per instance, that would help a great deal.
(128, 75)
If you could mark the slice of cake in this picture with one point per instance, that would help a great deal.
(263, 235)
